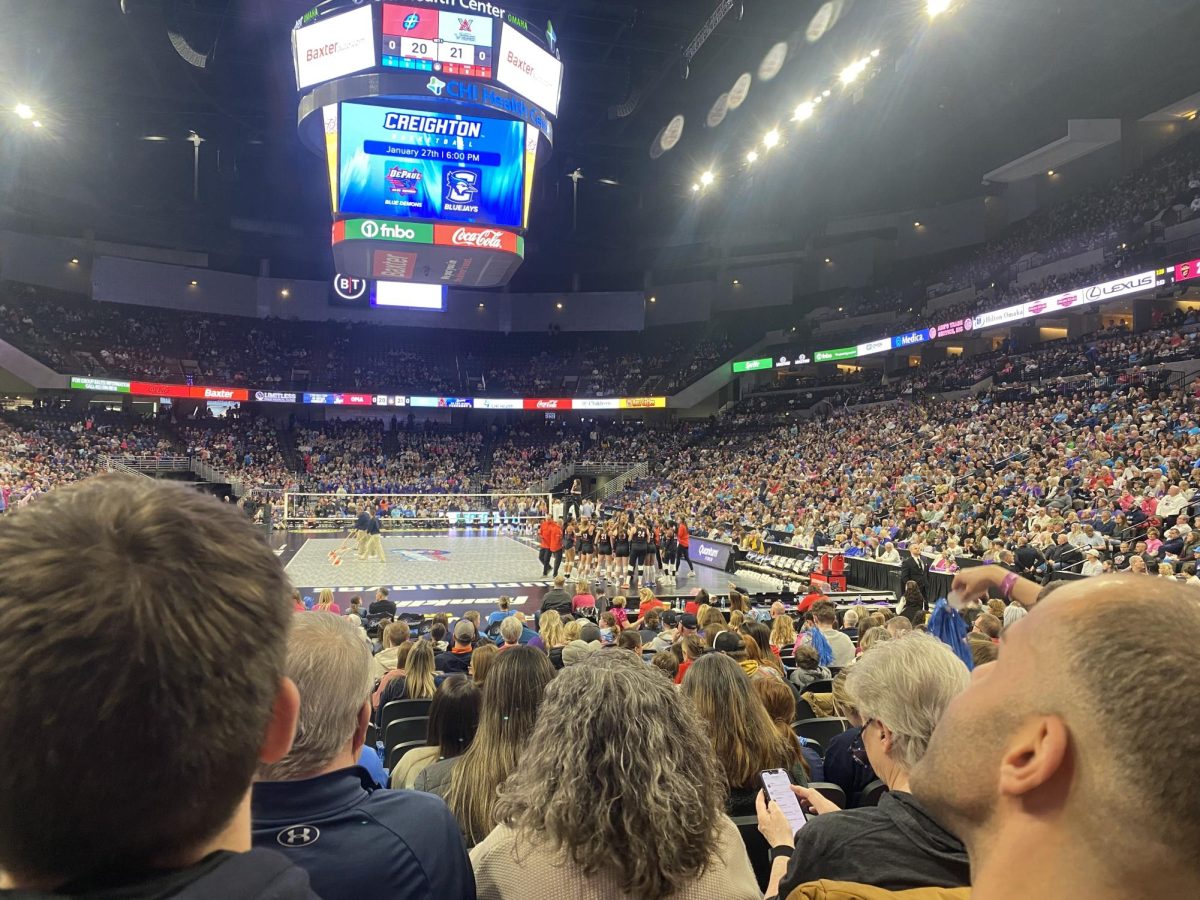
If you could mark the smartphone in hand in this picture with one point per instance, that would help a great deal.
(779, 788)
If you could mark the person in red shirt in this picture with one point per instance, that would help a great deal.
(544, 544)
(550, 537)
(683, 538)
(814, 594)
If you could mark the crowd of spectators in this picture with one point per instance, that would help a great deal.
(1026, 461)
(368, 457)
(76, 336)
(548, 748)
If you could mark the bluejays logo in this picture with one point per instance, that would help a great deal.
(462, 185)
(411, 21)
(404, 181)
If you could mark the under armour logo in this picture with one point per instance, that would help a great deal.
(298, 836)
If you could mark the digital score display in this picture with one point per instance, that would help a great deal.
(451, 43)
(410, 164)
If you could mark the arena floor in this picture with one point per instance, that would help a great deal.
(430, 571)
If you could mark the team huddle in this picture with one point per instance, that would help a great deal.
(630, 550)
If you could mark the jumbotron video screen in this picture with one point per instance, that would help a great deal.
(428, 114)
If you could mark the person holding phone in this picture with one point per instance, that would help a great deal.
(902, 689)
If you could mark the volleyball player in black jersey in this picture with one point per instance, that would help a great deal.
(639, 549)
(587, 546)
(655, 555)
(568, 546)
(621, 547)
(604, 549)
(669, 545)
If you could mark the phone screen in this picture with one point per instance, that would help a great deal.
(779, 789)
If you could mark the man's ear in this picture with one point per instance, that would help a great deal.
(1035, 754)
(360, 729)
(886, 736)
(281, 727)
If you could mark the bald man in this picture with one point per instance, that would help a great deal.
(1068, 768)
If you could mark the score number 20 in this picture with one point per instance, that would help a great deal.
(437, 51)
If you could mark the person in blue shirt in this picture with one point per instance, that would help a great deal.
(325, 813)
(499, 615)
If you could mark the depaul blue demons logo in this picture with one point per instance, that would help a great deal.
(404, 181)
(413, 555)
(461, 192)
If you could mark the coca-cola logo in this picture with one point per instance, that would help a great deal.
(485, 239)
(547, 404)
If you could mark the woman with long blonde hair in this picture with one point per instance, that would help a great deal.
(783, 632)
(743, 736)
(625, 801)
(325, 603)
(512, 696)
(417, 681)
(418, 672)
(551, 630)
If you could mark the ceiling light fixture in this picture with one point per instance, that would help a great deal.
(771, 138)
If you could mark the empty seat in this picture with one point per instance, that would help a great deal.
(402, 709)
(404, 730)
(822, 730)
(872, 792)
(395, 754)
(830, 791)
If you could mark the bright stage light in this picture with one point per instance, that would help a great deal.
(752, 156)
(937, 7)
(707, 178)
(23, 111)
(850, 74)
(771, 138)
(803, 111)
(37, 124)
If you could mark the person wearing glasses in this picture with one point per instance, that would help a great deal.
(901, 689)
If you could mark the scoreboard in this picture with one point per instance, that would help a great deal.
(427, 40)
(432, 118)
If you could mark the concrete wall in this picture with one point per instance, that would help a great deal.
(758, 286)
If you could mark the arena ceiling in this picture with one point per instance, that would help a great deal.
(951, 100)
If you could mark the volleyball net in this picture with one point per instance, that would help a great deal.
(316, 511)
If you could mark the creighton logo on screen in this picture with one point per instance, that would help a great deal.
(462, 190)
(463, 128)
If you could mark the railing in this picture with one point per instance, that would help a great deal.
(214, 475)
(143, 465)
(115, 465)
(618, 484)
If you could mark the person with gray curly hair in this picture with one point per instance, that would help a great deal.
(319, 808)
(901, 689)
(636, 773)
